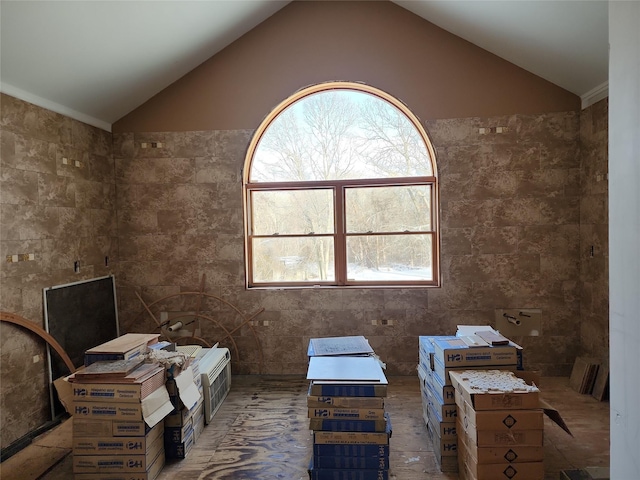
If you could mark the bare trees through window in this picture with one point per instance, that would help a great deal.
(341, 189)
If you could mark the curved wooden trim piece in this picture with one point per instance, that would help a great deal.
(200, 296)
(23, 322)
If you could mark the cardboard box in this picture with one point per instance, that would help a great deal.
(444, 430)
(364, 438)
(425, 408)
(198, 425)
(445, 393)
(152, 409)
(91, 427)
(65, 393)
(500, 454)
(183, 391)
(423, 376)
(119, 392)
(347, 413)
(455, 352)
(491, 438)
(116, 445)
(179, 449)
(425, 352)
(179, 418)
(314, 401)
(443, 412)
(91, 358)
(151, 474)
(532, 419)
(119, 463)
(446, 455)
(504, 390)
(443, 372)
(443, 447)
(178, 434)
(347, 425)
(502, 471)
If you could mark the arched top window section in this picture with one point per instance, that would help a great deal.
(340, 189)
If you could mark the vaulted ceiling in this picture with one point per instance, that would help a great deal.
(98, 60)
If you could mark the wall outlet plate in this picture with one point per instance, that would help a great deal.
(519, 322)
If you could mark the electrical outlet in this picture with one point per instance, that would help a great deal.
(382, 321)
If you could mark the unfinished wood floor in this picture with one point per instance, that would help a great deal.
(261, 433)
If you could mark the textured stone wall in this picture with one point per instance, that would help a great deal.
(58, 212)
(510, 239)
(594, 230)
(519, 210)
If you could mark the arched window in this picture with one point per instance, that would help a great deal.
(340, 189)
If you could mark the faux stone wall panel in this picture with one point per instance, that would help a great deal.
(594, 243)
(18, 187)
(59, 211)
(513, 224)
(510, 236)
(499, 240)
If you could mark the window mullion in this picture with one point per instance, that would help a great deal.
(340, 237)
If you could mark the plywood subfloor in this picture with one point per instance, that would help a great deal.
(45, 451)
(261, 433)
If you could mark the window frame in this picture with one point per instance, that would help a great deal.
(339, 188)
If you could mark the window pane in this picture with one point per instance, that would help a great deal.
(388, 209)
(340, 134)
(293, 259)
(392, 258)
(292, 212)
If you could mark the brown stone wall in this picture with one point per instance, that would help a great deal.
(594, 230)
(519, 209)
(510, 239)
(58, 212)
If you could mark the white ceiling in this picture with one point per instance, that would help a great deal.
(97, 60)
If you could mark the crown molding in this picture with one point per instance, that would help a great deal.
(54, 107)
(595, 94)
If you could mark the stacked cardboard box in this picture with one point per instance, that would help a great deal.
(125, 347)
(118, 408)
(198, 413)
(500, 425)
(440, 355)
(438, 407)
(351, 429)
(184, 424)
